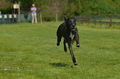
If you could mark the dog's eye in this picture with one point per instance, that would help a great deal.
(69, 22)
(74, 21)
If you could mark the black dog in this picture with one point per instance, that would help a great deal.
(69, 32)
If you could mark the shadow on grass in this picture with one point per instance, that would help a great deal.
(59, 64)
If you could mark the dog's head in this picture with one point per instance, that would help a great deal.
(70, 23)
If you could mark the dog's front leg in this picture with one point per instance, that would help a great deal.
(65, 48)
(77, 40)
(71, 52)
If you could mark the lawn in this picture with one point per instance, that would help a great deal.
(29, 51)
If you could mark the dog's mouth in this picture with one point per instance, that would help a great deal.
(73, 29)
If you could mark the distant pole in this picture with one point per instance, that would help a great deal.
(19, 7)
(110, 21)
(94, 20)
(19, 11)
(56, 17)
(100, 20)
(41, 17)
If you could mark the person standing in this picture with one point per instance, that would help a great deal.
(34, 13)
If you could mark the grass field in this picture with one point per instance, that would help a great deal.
(29, 51)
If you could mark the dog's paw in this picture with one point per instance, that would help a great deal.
(77, 45)
(58, 44)
(75, 63)
(65, 50)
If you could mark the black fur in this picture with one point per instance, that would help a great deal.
(69, 32)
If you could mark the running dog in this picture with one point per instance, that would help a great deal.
(69, 32)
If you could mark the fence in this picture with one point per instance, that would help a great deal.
(25, 17)
(106, 19)
(8, 18)
(14, 18)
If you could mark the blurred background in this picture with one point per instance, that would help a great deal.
(54, 10)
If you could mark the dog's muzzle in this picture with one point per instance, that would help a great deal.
(73, 27)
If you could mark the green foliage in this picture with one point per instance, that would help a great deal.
(7, 10)
(49, 8)
(6, 7)
(48, 16)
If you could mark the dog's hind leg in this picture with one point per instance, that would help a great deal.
(65, 48)
(59, 36)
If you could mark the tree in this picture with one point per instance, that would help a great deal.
(50, 8)
(5, 6)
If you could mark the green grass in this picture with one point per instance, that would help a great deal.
(29, 51)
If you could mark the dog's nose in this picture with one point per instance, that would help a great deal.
(73, 26)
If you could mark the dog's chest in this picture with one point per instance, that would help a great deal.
(72, 35)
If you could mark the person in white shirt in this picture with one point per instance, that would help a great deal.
(34, 13)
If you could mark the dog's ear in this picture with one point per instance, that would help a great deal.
(75, 18)
(65, 17)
